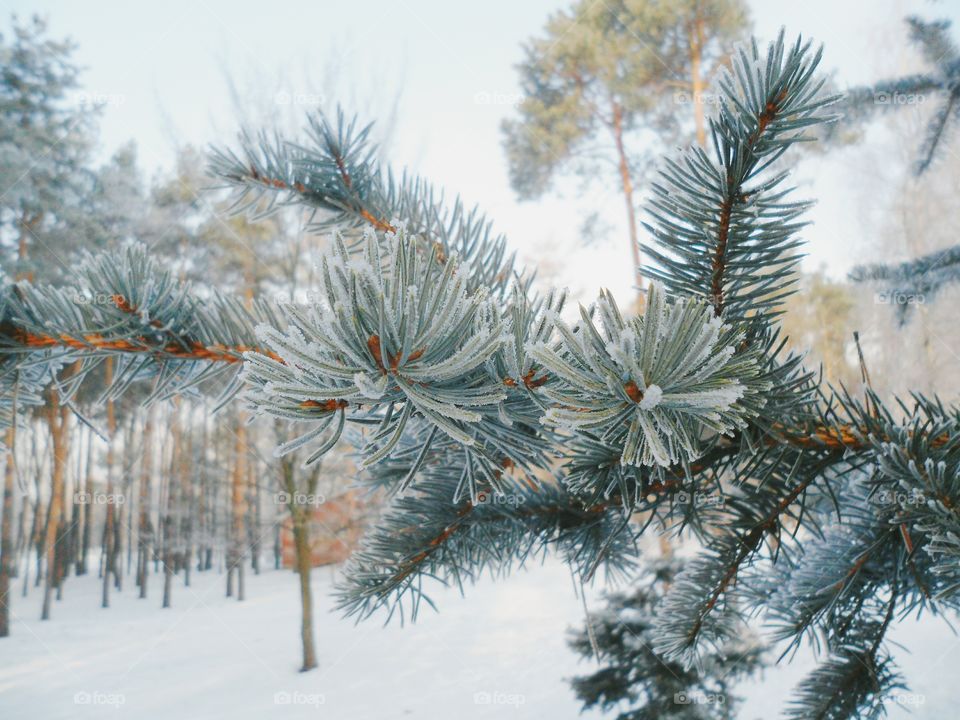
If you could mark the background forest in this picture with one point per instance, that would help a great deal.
(158, 554)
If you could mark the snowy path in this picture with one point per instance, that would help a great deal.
(498, 653)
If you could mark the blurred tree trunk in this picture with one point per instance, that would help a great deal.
(301, 544)
(301, 516)
(144, 527)
(303, 557)
(108, 529)
(120, 514)
(697, 84)
(203, 529)
(6, 539)
(626, 182)
(238, 497)
(76, 509)
(87, 509)
(58, 420)
(173, 479)
(253, 528)
(186, 507)
(36, 530)
(238, 506)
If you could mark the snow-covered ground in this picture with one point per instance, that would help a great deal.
(498, 653)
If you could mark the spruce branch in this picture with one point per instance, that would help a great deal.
(338, 178)
(723, 231)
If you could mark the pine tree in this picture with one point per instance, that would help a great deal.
(43, 145)
(602, 75)
(631, 674)
(462, 388)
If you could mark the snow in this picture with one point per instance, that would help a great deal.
(499, 652)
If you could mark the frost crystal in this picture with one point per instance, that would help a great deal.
(651, 397)
(652, 385)
(372, 389)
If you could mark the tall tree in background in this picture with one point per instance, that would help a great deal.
(44, 146)
(604, 80)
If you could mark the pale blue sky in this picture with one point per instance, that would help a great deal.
(160, 68)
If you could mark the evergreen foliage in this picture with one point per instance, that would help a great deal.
(502, 430)
(632, 678)
(918, 280)
(932, 39)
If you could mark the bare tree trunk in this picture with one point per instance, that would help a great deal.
(87, 509)
(168, 521)
(6, 539)
(253, 528)
(186, 501)
(76, 510)
(238, 505)
(213, 519)
(36, 531)
(696, 77)
(121, 519)
(203, 529)
(301, 544)
(301, 518)
(57, 419)
(108, 532)
(626, 181)
(144, 528)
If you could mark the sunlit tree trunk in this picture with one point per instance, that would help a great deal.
(626, 183)
(697, 84)
(300, 516)
(6, 539)
(58, 419)
(238, 505)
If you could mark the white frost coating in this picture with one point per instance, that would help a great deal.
(651, 397)
(360, 266)
(373, 389)
(622, 349)
(551, 317)
(265, 333)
